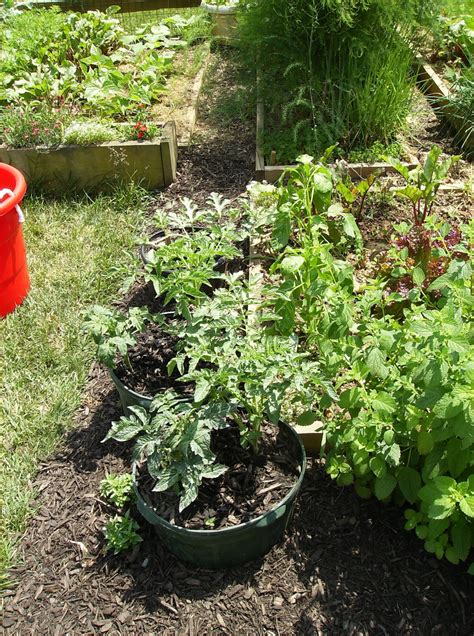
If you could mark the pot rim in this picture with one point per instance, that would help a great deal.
(248, 524)
(126, 388)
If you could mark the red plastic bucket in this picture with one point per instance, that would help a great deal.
(14, 279)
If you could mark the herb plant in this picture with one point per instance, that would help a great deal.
(121, 533)
(117, 489)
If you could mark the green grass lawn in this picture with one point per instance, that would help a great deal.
(76, 253)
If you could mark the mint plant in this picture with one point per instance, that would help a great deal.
(118, 489)
(121, 533)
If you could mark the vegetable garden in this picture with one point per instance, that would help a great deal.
(277, 433)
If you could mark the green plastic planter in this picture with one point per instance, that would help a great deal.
(217, 549)
(128, 397)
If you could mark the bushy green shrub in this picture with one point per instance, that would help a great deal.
(331, 70)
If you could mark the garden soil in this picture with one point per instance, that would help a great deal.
(346, 565)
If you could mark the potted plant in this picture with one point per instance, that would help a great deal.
(214, 477)
(224, 17)
(182, 270)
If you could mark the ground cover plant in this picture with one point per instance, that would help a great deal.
(45, 359)
(394, 344)
(82, 78)
(332, 72)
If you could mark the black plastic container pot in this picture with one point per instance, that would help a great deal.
(236, 545)
(128, 397)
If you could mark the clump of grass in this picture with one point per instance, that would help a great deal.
(332, 71)
(74, 249)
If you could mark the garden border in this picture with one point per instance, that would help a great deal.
(193, 108)
(433, 85)
(152, 164)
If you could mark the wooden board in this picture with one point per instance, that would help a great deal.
(433, 85)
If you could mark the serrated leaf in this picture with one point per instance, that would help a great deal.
(467, 505)
(409, 482)
(393, 455)
(376, 362)
(384, 486)
(384, 403)
(378, 466)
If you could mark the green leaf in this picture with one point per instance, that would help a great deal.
(291, 264)
(384, 403)
(202, 390)
(393, 455)
(409, 481)
(384, 486)
(467, 505)
(425, 443)
(461, 536)
(378, 466)
(351, 398)
(458, 457)
(281, 228)
(418, 276)
(307, 418)
(214, 471)
(376, 362)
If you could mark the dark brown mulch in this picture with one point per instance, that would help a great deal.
(345, 567)
(149, 358)
(252, 484)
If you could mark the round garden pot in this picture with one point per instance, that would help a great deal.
(224, 19)
(236, 545)
(128, 397)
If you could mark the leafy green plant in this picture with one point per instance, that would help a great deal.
(174, 439)
(423, 182)
(181, 269)
(332, 71)
(306, 204)
(121, 533)
(404, 426)
(118, 489)
(114, 332)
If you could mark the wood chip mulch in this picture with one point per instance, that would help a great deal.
(346, 566)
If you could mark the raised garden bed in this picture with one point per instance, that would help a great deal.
(434, 86)
(149, 163)
(99, 130)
